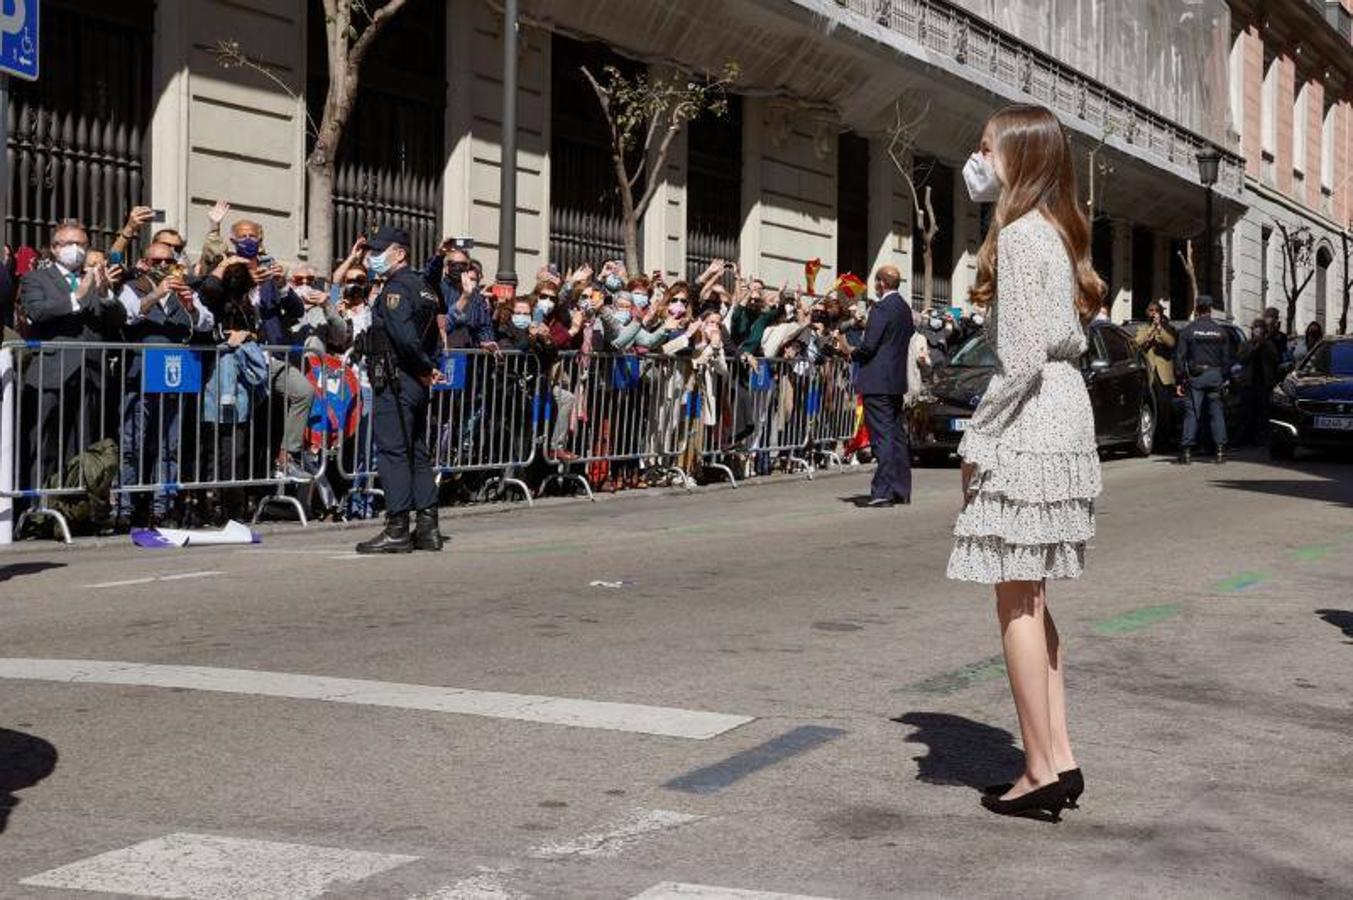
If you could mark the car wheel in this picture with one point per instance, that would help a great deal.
(1280, 447)
(1146, 431)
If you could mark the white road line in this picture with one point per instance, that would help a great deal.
(675, 890)
(111, 584)
(487, 885)
(188, 575)
(629, 717)
(152, 579)
(205, 867)
(610, 841)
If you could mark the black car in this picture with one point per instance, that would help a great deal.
(1116, 376)
(1313, 406)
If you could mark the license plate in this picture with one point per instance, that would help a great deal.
(1334, 423)
(962, 424)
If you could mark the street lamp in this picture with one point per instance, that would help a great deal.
(1209, 162)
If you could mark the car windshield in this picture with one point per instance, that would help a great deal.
(974, 354)
(1331, 358)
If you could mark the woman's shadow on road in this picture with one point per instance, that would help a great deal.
(960, 751)
(25, 760)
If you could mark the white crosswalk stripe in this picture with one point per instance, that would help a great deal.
(675, 890)
(209, 867)
(611, 840)
(631, 717)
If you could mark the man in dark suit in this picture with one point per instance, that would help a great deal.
(882, 379)
(65, 389)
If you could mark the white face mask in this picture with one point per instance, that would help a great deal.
(980, 177)
(71, 256)
(544, 306)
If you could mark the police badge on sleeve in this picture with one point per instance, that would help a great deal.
(392, 301)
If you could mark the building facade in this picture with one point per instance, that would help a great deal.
(805, 164)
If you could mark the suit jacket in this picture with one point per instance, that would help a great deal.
(45, 296)
(882, 354)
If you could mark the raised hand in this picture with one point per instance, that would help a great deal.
(217, 214)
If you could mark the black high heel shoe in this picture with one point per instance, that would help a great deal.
(1050, 798)
(1072, 778)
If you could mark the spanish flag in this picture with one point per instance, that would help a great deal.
(850, 286)
(810, 270)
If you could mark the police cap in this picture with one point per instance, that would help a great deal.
(387, 235)
(1204, 301)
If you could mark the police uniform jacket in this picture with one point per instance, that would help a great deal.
(404, 318)
(1204, 345)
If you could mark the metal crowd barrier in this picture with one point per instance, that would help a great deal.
(485, 415)
(99, 423)
(626, 410)
(104, 423)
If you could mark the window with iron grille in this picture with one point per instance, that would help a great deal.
(77, 134)
(852, 207)
(585, 220)
(713, 188)
(390, 160)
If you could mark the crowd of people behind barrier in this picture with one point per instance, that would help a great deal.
(597, 378)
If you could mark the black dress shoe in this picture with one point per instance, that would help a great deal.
(1050, 799)
(1072, 778)
(394, 538)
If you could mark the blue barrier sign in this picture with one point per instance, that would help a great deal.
(171, 371)
(760, 377)
(453, 372)
(19, 38)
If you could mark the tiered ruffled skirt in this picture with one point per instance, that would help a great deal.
(1036, 484)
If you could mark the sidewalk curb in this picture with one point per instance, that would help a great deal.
(450, 513)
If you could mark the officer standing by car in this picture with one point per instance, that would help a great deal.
(402, 340)
(1203, 357)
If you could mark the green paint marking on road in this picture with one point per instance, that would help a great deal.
(1313, 552)
(1136, 619)
(966, 677)
(1239, 582)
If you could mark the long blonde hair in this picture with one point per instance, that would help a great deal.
(1036, 157)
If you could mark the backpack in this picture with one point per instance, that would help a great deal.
(97, 469)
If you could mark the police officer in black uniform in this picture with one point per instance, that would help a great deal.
(403, 340)
(1203, 357)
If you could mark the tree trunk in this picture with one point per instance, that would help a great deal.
(1348, 285)
(632, 267)
(927, 273)
(320, 212)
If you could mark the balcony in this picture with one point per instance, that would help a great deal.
(1338, 18)
(991, 54)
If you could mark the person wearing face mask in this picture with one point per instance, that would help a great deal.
(403, 339)
(161, 309)
(66, 301)
(279, 318)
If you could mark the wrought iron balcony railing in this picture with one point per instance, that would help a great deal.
(973, 42)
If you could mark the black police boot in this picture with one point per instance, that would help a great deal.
(426, 534)
(393, 539)
(1185, 456)
(1221, 456)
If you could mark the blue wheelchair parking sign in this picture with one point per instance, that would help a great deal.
(19, 38)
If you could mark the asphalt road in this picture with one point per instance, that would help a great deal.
(859, 697)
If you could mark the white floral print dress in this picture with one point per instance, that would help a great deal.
(1032, 437)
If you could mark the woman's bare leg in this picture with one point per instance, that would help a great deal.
(1019, 606)
(1062, 756)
